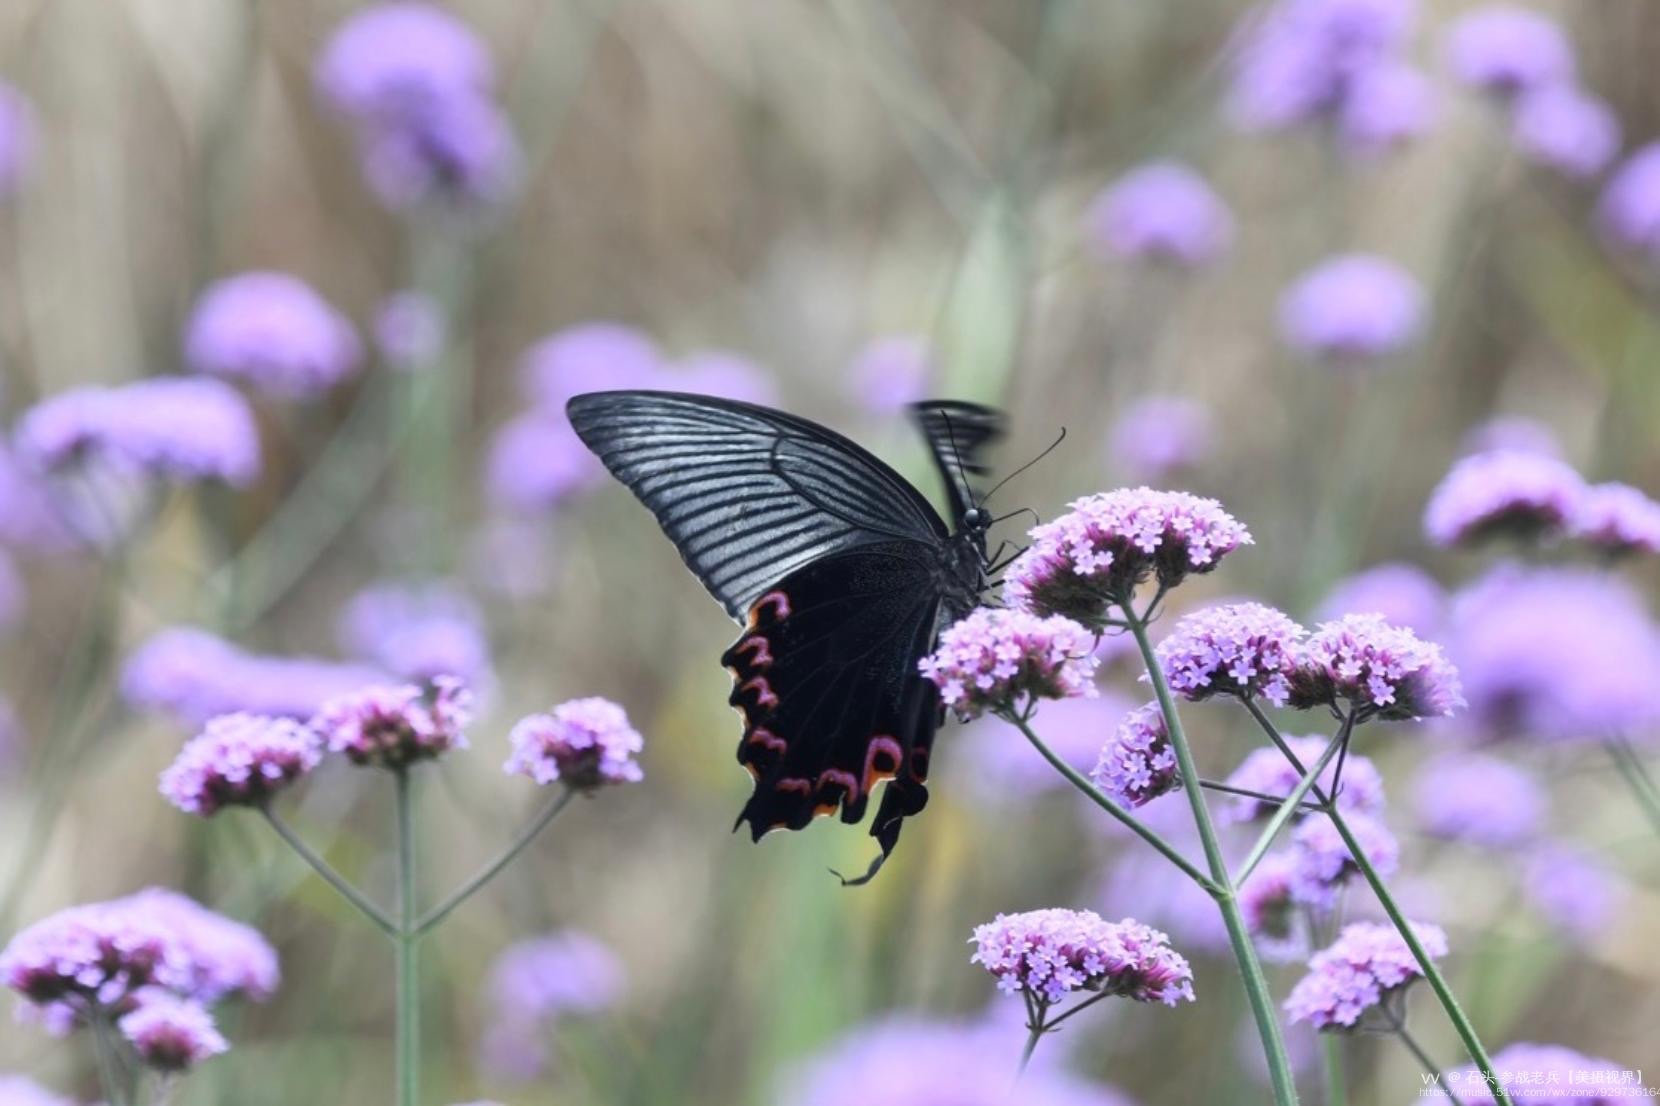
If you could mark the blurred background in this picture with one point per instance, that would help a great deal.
(835, 206)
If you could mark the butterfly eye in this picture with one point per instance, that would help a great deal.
(974, 519)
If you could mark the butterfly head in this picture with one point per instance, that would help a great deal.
(976, 520)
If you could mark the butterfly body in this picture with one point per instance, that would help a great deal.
(839, 571)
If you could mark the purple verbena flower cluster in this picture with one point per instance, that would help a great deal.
(1162, 211)
(1273, 911)
(1242, 649)
(1322, 862)
(169, 1033)
(1379, 670)
(1267, 772)
(1508, 50)
(1403, 594)
(274, 332)
(1160, 435)
(532, 985)
(585, 744)
(1105, 545)
(1050, 954)
(1628, 212)
(394, 726)
(239, 760)
(1616, 519)
(1480, 799)
(1138, 764)
(996, 659)
(1367, 966)
(1352, 310)
(417, 631)
(1526, 495)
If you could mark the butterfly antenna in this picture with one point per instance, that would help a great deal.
(1052, 446)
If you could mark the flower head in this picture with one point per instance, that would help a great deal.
(1352, 309)
(1138, 764)
(537, 462)
(393, 726)
(1503, 493)
(1560, 127)
(1628, 211)
(1508, 50)
(1616, 519)
(239, 760)
(460, 151)
(389, 54)
(1479, 799)
(194, 675)
(18, 138)
(1052, 953)
(1555, 654)
(1267, 772)
(584, 743)
(1369, 965)
(892, 372)
(553, 975)
(409, 329)
(1272, 911)
(274, 332)
(15, 1090)
(224, 956)
(1243, 649)
(1403, 594)
(417, 630)
(1160, 435)
(174, 428)
(1572, 888)
(1162, 211)
(996, 658)
(1107, 544)
(1322, 862)
(1385, 105)
(171, 1034)
(1380, 670)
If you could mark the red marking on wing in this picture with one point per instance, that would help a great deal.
(773, 603)
(762, 690)
(759, 649)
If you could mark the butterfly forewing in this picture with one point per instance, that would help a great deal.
(747, 494)
(959, 434)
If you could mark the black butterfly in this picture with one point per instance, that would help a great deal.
(840, 572)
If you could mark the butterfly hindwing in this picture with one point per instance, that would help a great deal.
(747, 494)
(959, 433)
(826, 680)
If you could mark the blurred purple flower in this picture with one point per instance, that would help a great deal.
(537, 462)
(1107, 544)
(171, 1034)
(892, 372)
(194, 675)
(1556, 654)
(1050, 954)
(1161, 211)
(387, 54)
(1161, 896)
(588, 357)
(1138, 764)
(1157, 436)
(392, 727)
(1297, 60)
(1629, 209)
(997, 658)
(1003, 764)
(15, 1090)
(721, 374)
(1572, 889)
(409, 329)
(29, 516)
(274, 332)
(1384, 106)
(1367, 966)
(1512, 432)
(18, 139)
(1563, 128)
(1241, 649)
(1506, 493)
(1508, 50)
(1380, 670)
(1404, 594)
(1352, 309)
(417, 630)
(460, 150)
(176, 428)
(584, 744)
(1268, 772)
(1272, 912)
(1616, 519)
(239, 760)
(1479, 799)
(909, 1062)
(224, 957)
(1322, 862)
(553, 975)
(1549, 1075)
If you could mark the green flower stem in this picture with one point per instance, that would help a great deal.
(1642, 785)
(408, 962)
(1250, 968)
(109, 1066)
(1134, 824)
(333, 878)
(1430, 1066)
(1331, 1065)
(1290, 805)
(1437, 982)
(432, 918)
